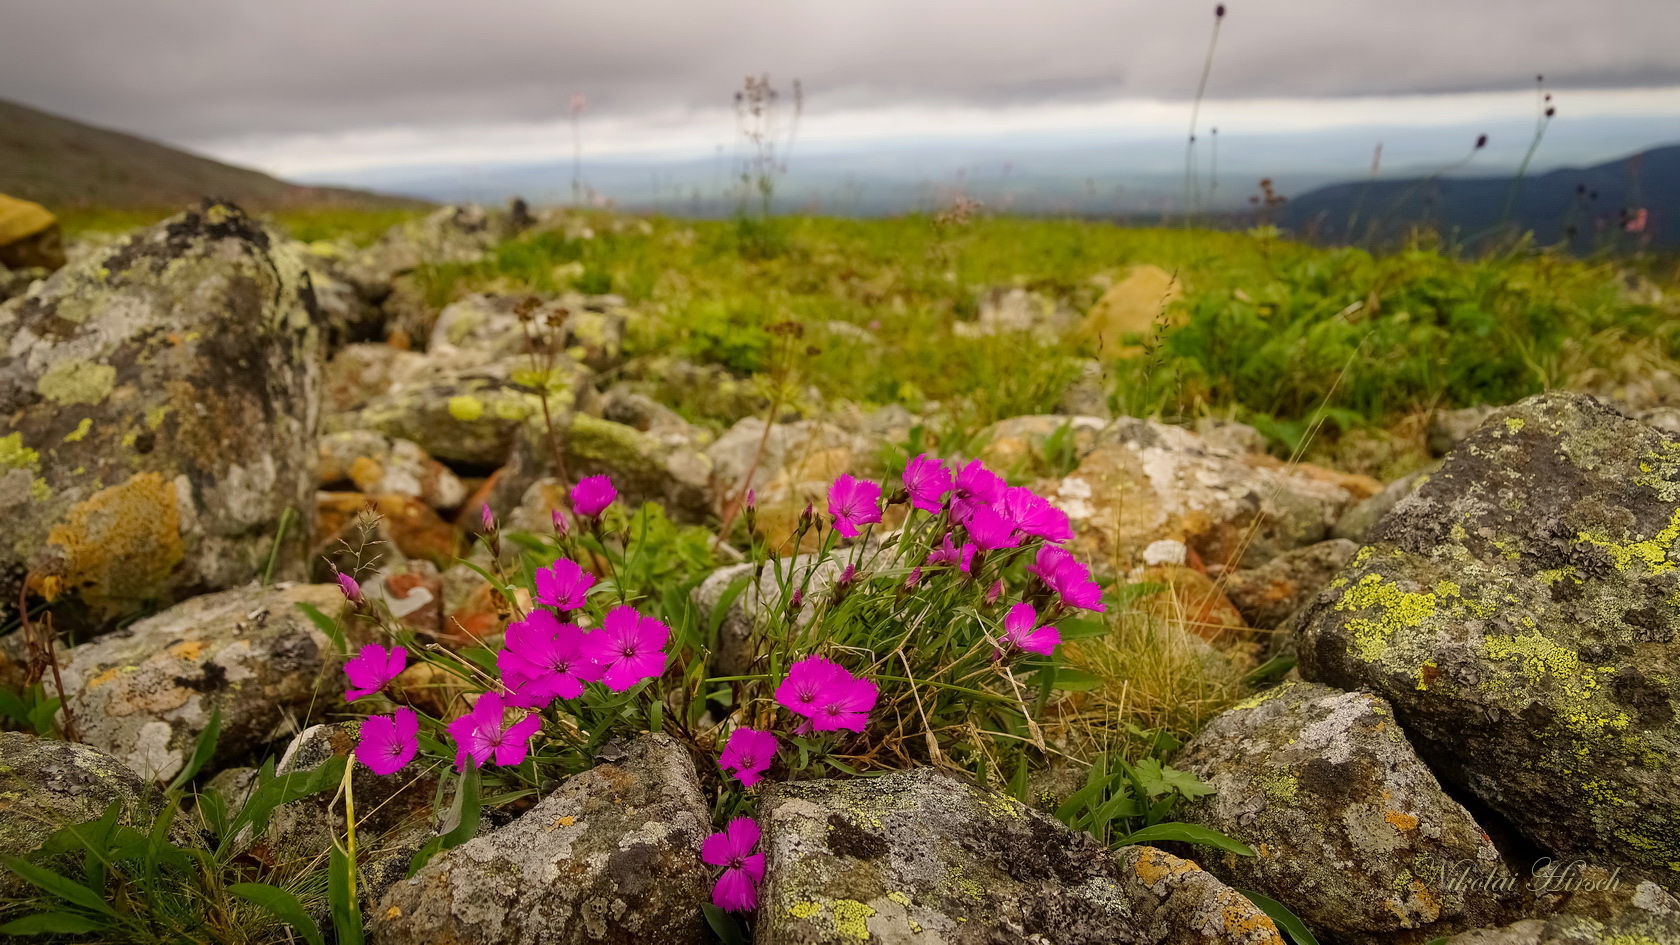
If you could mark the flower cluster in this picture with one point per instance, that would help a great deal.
(544, 659)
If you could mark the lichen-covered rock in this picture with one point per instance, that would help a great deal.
(1268, 595)
(1633, 928)
(393, 813)
(1357, 523)
(1448, 428)
(798, 463)
(643, 467)
(590, 328)
(46, 784)
(1023, 443)
(378, 465)
(1192, 602)
(467, 413)
(612, 855)
(146, 692)
(1518, 611)
(920, 857)
(160, 411)
(1148, 481)
(1347, 824)
(1179, 903)
(359, 372)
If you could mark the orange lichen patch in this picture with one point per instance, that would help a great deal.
(1243, 922)
(1153, 866)
(119, 545)
(1401, 821)
(366, 473)
(104, 678)
(188, 649)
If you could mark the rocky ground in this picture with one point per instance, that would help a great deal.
(203, 422)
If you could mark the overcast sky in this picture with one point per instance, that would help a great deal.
(306, 86)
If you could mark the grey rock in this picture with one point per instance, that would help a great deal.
(612, 855)
(46, 784)
(1632, 929)
(379, 465)
(1517, 612)
(1178, 903)
(1359, 520)
(359, 372)
(146, 692)
(1230, 435)
(1268, 595)
(161, 405)
(920, 857)
(1348, 825)
(1448, 428)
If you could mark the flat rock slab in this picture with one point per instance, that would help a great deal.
(920, 857)
(145, 693)
(612, 856)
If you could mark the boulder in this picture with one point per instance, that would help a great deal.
(359, 372)
(146, 692)
(1177, 902)
(1146, 481)
(612, 855)
(1133, 310)
(1014, 310)
(1348, 826)
(470, 415)
(160, 400)
(589, 327)
(29, 236)
(1448, 428)
(1269, 595)
(918, 856)
(1025, 444)
(46, 784)
(1518, 612)
(1632, 929)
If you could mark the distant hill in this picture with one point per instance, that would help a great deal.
(65, 164)
(1585, 207)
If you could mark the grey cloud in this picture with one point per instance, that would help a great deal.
(207, 70)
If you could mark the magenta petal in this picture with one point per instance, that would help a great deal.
(735, 892)
(516, 740)
(714, 850)
(753, 866)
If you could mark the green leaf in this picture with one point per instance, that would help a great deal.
(282, 905)
(725, 926)
(1076, 680)
(327, 625)
(66, 889)
(1187, 833)
(54, 923)
(460, 822)
(1288, 921)
(41, 716)
(1159, 779)
(341, 902)
(274, 790)
(202, 750)
(725, 601)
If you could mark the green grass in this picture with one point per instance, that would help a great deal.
(1277, 333)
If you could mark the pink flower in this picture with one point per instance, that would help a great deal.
(994, 592)
(853, 503)
(949, 553)
(1021, 632)
(927, 481)
(559, 519)
(544, 660)
(629, 648)
(486, 518)
(976, 487)
(1034, 515)
(1068, 578)
(352, 590)
(823, 691)
(847, 706)
(732, 849)
(988, 529)
(388, 742)
(479, 734)
(591, 496)
(914, 578)
(748, 755)
(563, 585)
(371, 668)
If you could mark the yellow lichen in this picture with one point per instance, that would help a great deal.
(899, 898)
(1514, 424)
(1653, 552)
(75, 436)
(1398, 610)
(14, 455)
(120, 544)
(851, 919)
(804, 910)
(1542, 660)
(154, 416)
(71, 382)
(466, 408)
